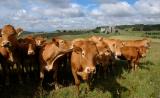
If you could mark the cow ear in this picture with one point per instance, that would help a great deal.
(55, 42)
(53, 39)
(19, 31)
(123, 44)
(62, 41)
(114, 45)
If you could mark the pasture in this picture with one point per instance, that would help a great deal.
(143, 83)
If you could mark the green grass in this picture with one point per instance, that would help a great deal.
(143, 83)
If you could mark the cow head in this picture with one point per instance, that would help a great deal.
(31, 45)
(146, 42)
(142, 51)
(96, 38)
(117, 49)
(104, 52)
(63, 44)
(87, 52)
(39, 41)
(102, 47)
(28, 45)
(9, 36)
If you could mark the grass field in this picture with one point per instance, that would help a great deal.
(143, 83)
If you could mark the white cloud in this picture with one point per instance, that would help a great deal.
(48, 15)
(148, 7)
(119, 9)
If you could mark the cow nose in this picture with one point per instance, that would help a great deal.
(143, 55)
(30, 52)
(5, 43)
(87, 69)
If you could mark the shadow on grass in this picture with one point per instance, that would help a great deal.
(111, 84)
(145, 65)
(18, 91)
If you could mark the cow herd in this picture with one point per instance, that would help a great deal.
(33, 56)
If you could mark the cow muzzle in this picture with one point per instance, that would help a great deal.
(31, 52)
(90, 70)
(93, 70)
(143, 55)
(6, 44)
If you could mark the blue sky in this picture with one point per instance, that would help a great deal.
(49, 15)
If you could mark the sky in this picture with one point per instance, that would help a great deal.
(50, 15)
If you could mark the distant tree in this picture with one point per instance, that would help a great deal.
(97, 30)
(58, 31)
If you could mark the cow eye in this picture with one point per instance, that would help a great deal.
(83, 53)
(62, 41)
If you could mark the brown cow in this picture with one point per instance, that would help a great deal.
(113, 44)
(64, 44)
(132, 55)
(104, 57)
(49, 53)
(138, 43)
(28, 50)
(83, 61)
(9, 45)
(39, 41)
(64, 73)
(27, 45)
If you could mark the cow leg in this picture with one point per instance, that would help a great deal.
(98, 71)
(132, 66)
(129, 66)
(105, 71)
(6, 73)
(136, 64)
(56, 80)
(77, 81)
(19, 73)
(41, 77)
(90, 83)
(39, 90)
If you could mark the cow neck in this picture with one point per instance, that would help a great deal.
(10, 54)
(139, 55)
(80, 61)
(15, 46)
